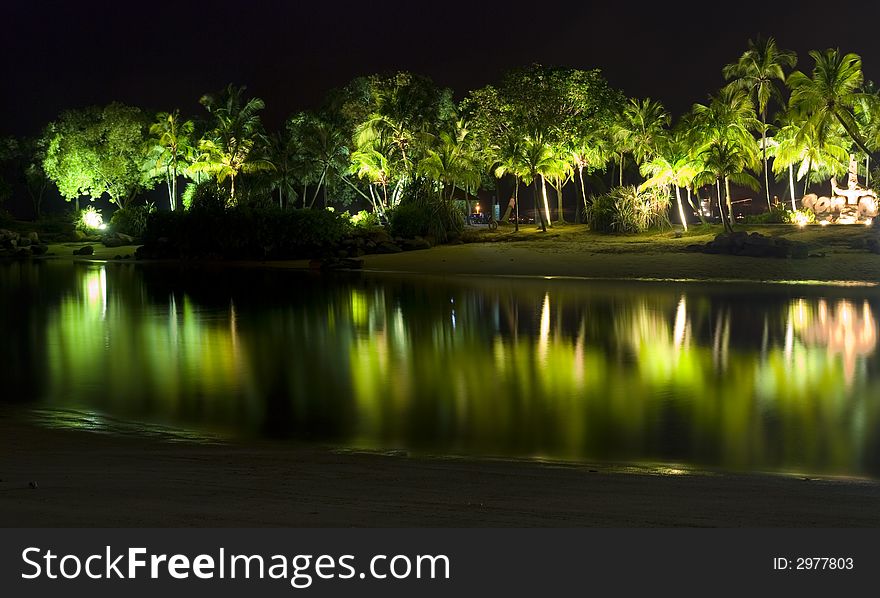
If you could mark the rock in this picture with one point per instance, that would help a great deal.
(414, 244)
(387, 247)
(33, 237)
(84, 250)
(112, 242)
(23, 252)
(341, 264)
(127, 239)
(39, 249)
(24, 242)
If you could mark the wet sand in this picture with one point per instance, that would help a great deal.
(89, 479)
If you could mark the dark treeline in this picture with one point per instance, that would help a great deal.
(392, 140)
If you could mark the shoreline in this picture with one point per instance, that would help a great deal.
(572, 252)
(87, 479)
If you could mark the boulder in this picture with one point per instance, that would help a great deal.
(24, 242)
(414, 244)
(33, 237)
(39, 249)
(126, 239)
(84, 250)
(387, 247)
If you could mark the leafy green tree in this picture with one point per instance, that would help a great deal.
(797, 149)
(641, 130)
(400, 116)
(566, 109)
(234, 145)
(828, 96)
(724, 161)
(673, 166)
(759, 71)
(95, 151)
(451, 162)
(173, 150)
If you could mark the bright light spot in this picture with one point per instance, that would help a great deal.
(869, 222)
(801, 219)
(91, 219)
(824, 222)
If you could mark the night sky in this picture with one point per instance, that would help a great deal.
(160, 55)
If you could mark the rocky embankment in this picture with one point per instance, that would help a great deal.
(753, 245)
(13, 244)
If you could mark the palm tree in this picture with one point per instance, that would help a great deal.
(867, 112)
(539, 162)
(172, 149)
(757, 71)
(451, 163)
(640, 130)
(372, 165)
(509, 160)
(724, 161)
(589, 152)
(829, 95)
(673, 167)
(324, 144)
(230, 147)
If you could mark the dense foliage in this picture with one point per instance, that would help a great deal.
(400, 148)
(244, 233)
(627, 210)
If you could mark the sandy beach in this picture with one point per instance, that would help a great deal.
(86, 479)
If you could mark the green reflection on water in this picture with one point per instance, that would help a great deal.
(744, 379)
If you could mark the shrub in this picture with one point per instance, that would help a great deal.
(131, 221)
(206, 195)
(245, 233)
(89, 220)
(802, 217)
(778, 214)
(410, 220)
(626, 210)
(364, 219)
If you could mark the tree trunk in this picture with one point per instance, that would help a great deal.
(697, 209)
(168, 185)
(516, 203)
(807, 178)
(318, 188)
(559, 213)
(681, 208)
(537, 208)
(729, 205)
(867, 172)
(764, 151)
(621, 169)
(178, 204)
(546, 203)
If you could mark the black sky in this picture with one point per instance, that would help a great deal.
(161, 55)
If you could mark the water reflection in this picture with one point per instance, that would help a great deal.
(737, 378)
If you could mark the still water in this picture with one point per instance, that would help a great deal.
(732, 377)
